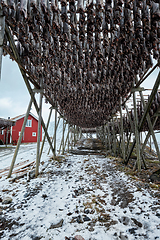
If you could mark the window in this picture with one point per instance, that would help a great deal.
(29, 123)
(33, 134)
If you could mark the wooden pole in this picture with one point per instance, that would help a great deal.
(55, 132)
(14, 49)
(151, 97)
(75, 135)
(2, 30)
(50, 113)
(39, 135)
(105, 137)
(122, 132)
(148, 135)
(137, 133)
(114, 138)
(63, 139)
(109, 140)
(19, 139)
(68, 137)
(151, 127)
(71, 138)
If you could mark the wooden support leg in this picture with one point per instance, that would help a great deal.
(75, 135)
(109, 140)
(122, 132)
(137, 133)
(154, 90)
(114, 138)
(55, 131)
(80, 132)
(19, 139)
(62, 140)
(68, 137)
(2, 29)
(131, 130)
(148, 135)
(14, 49)
(38, 136)
(105, 137)
(71, 138)
(151, 128)
(50, 113)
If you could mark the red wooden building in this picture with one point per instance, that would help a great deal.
(30, 132)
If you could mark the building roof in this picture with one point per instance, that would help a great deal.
(6, 123)
(23, 115)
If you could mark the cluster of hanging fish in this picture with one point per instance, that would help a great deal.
(87, 52)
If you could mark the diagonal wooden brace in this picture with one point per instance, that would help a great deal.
(16, 55)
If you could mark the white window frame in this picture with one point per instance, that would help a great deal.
(29, 123)
(34, 134)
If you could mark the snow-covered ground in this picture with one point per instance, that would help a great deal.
(86, 195)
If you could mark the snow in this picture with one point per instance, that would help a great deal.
(65, 189)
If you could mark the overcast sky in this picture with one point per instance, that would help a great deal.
(14, 96)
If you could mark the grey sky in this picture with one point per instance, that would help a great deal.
(14, 96)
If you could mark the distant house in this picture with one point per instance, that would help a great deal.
(30, 132)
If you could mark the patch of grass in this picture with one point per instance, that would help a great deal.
(154, 186)
(57, 158)
(86, 160)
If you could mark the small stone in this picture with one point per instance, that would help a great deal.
(79, 219)
(26, 195)
(125, 220)
(35, 237)
(92, 211)
(85, 219)
(32, 174)
(122, 236)
(78, 237)
(139, 224)
(86, 211)
(158, 215)
(91, 229)
(69, 214)
(132, 230)
(59, 224)
(6, 200)
(44, 196)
